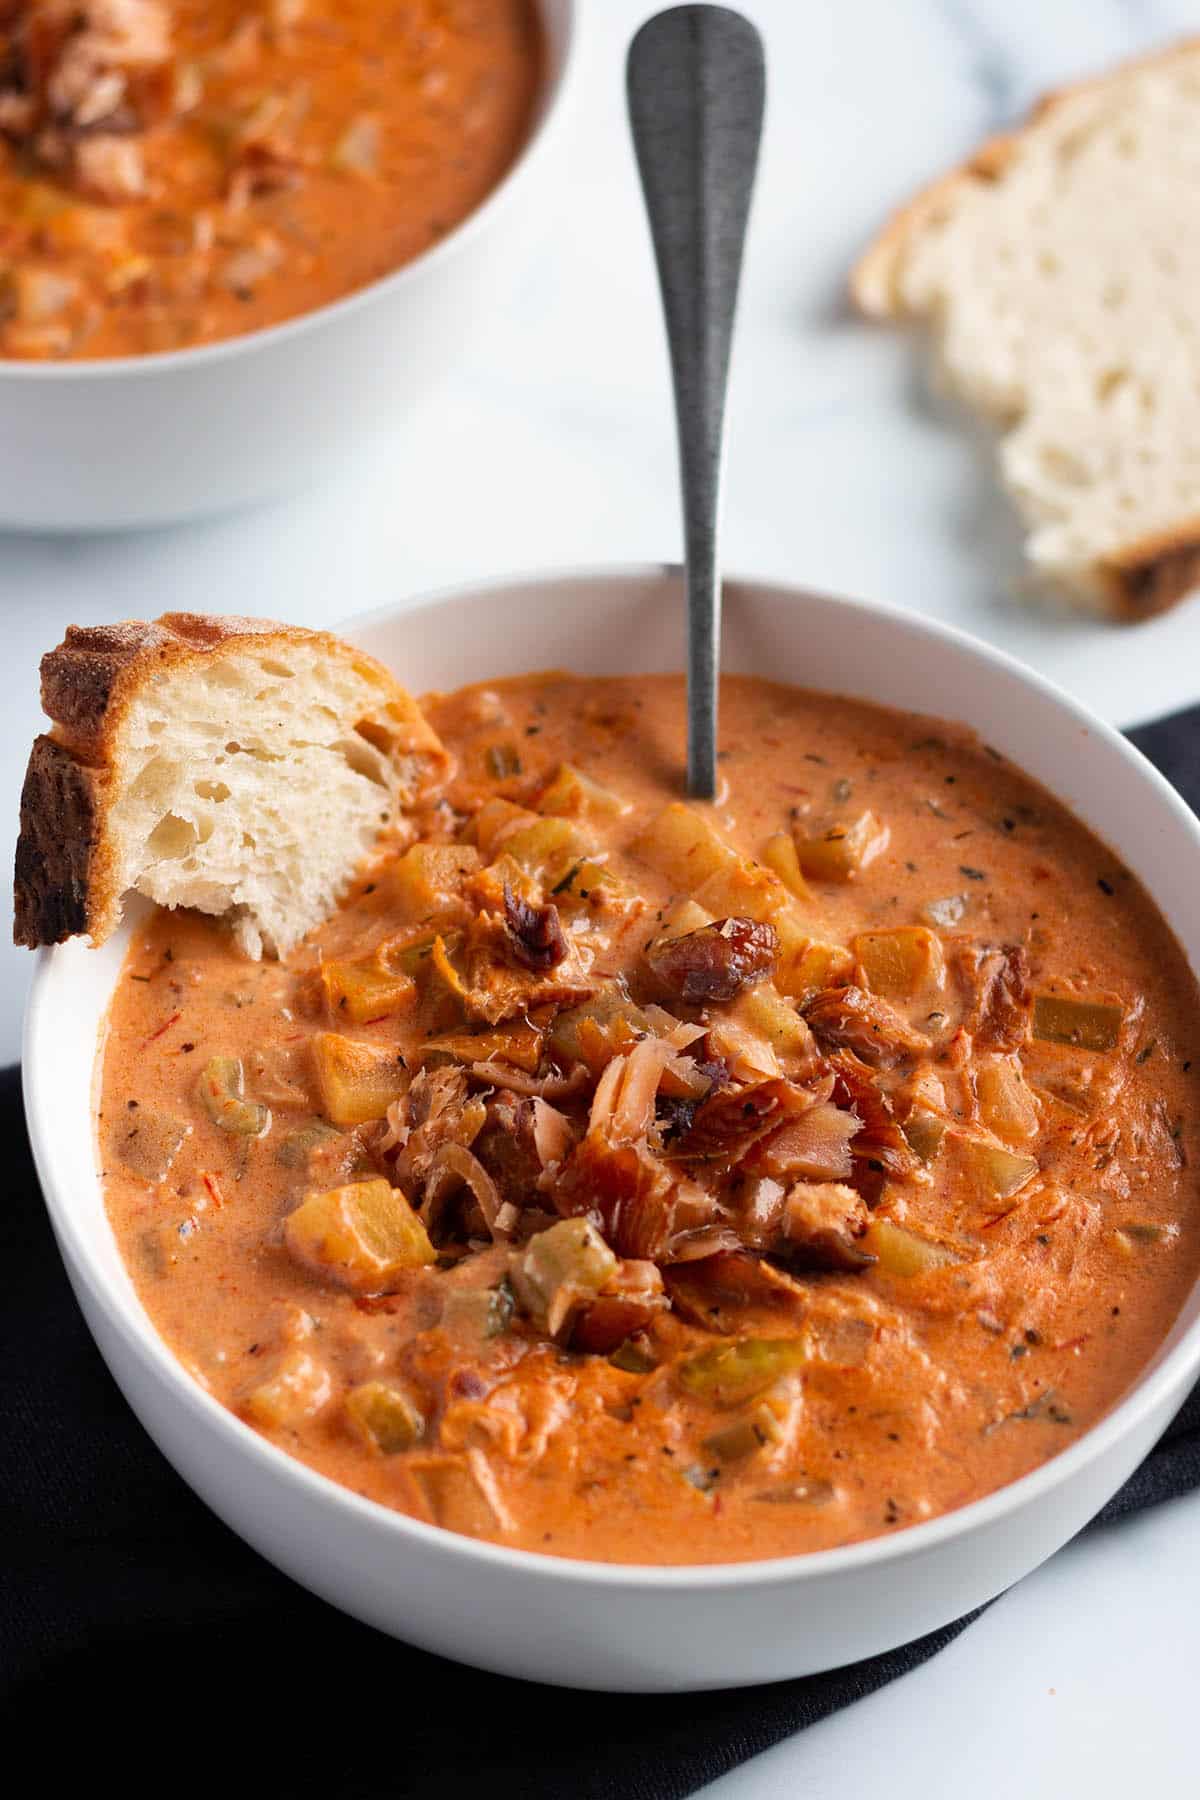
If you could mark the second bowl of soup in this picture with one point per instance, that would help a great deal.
(242, 237)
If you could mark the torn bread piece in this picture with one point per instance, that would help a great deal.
(233, 765)
(1057, 271)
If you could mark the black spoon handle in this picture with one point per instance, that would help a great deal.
(696, 82)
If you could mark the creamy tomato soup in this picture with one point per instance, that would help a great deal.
(634, 1180)
(177, 171)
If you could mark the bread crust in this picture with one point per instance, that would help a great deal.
(65, 875)
(873, 277)
(1149, 575)
(56, 881)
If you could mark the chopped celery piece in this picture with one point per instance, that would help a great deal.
(1087, 1024)
(366, 989)
(459, 1495)
(221, 1087)
(502, 761)
(357, 1082)
(1000, 1172)
(902, 1252)
(682, 846)
(924, 1132)
(299, 1388)
(148, 1142)
(575, 795)
(383, 1417)
(809, 1491)
(744, 1437)
(730, 1374)
(479, 1313)
(632, 1358)
(842, 851)
(559, 1270)
(902, 964)
(359, 1235)
(428, 877)
(779, 854)
(296, 1150)
(1137, 1231)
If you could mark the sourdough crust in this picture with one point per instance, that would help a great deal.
(873, 286)
(64, 876)
(56, 883)
(1148, 575)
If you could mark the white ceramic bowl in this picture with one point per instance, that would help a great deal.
(595, 1625)
(142, 440)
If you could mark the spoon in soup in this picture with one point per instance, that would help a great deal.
(695, 83)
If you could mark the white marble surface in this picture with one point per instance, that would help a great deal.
(552, 443)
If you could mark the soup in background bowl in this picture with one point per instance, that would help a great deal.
(1015, 1393)
(310, 210)
(175, 172)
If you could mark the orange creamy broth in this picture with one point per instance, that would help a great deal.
(916, 1392)
(285, 153)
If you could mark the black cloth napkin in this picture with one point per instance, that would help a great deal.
(140, 1639)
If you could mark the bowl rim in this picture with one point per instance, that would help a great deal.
(1168, 1372)
(545, 129)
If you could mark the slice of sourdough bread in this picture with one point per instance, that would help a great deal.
(1058, 271)
(233, 765)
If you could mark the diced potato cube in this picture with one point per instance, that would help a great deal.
(357, 1082)
(367, 989)
(559, 1270)
(903, 964)
(589, 881)
(683, 847)
(682, 917)
(764, 1009)
(813, 965)
(359, 1236)
(730, 1374)
(842, 851)
(548, 848)
(903, 1252)
(575, 795)
(1006, 1103)
(299, 1387)
(779, 854)
(746, 890)
(429, 877)
(1087, 1024)
(383, 1417)
(494, 821)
